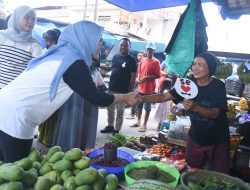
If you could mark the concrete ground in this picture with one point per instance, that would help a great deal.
(126, 130)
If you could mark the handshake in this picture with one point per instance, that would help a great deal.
(132, 98)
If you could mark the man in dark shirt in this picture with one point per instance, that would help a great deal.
(122, 80)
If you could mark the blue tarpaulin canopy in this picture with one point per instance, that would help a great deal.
(137, 45)
(143, 5)
(110, 39)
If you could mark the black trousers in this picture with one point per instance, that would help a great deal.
(13, 148)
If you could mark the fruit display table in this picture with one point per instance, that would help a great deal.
(75, 168)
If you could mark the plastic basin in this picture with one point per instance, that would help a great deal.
(142, 164)
(111, 170)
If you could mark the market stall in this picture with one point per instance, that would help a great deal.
(132, 163)
(128, 162)
(142, 166)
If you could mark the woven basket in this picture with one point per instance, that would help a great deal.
(234, 87)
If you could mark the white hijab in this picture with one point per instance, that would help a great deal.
(15, 31)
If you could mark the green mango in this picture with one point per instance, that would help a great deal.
(52, 151)
(57, 187)
(53, 176)
(63, 165)
(87, 176)
(11, 172)
(99, 183)
(33, 170)
(66, 174)
(13, 185)
(82, 163)
(29, 179)
(47, 167)
(56, 157)
(84, 187)
(43, 183)
(111, 182)
(103, 172)
(76, 171)
(2, 180)
(35, 155)
(25, 163)
(36, 165)
(70, 183)
(73, 154)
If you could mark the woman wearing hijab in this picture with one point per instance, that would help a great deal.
(17, 44)
(78, 119)
(47, 83)
(208, 140)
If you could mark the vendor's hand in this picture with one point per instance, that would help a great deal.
(140, 98)
(132, 98)
(189, 104)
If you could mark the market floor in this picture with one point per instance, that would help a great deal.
(126, 130)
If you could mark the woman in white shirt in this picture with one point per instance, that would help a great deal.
(46, 85)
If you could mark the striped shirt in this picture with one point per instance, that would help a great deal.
(14, 57)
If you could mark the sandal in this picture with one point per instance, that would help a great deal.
(135, 125)
(142, 129)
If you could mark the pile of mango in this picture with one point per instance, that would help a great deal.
(55, 171)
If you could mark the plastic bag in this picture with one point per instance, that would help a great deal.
(176, 128)
(179, 110)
